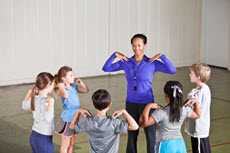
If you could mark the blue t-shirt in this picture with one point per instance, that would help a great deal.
(71, 104)
(139, 76)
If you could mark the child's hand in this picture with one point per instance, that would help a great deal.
(191, 102)
(82, 87)
(78, 80)
(118, 113)
(72, 125)
(153, 106)
(84, 112)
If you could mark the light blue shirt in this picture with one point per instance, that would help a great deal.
(71, 104)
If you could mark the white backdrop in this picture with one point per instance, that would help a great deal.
(42, 35)
(216, 32)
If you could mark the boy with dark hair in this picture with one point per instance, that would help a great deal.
(104, 132)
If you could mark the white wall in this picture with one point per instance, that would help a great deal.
(42, 35)
(216, 32)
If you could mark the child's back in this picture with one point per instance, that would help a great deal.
(43, 117)
(42, 107)
(104, 132)
(170, 130)
(171, 118)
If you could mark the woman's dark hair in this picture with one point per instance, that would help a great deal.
(62, 73)
(101, 99)
(42, 80)
(174, 91)
(141, 36)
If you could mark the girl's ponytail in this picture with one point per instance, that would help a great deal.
(173, 89)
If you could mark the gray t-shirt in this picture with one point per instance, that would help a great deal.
(104, 132)
(169, 130)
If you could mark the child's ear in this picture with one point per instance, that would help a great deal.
(109, 105)
(63, 79)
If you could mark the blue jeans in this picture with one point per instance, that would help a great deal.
(41, 143)
(135, 110)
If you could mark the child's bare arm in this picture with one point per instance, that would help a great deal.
(132, 124)
(82, 87)
(78, 114)
(148, 120)
(26, 103)
(28, 95)
(196, 109)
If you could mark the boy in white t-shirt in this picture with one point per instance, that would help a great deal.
(199, 129)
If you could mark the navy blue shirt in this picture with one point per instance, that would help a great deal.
(139, 76)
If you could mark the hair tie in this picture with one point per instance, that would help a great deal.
(175, 89)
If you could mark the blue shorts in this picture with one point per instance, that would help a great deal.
(172, 146)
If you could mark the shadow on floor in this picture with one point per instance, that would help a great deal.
(13, 138)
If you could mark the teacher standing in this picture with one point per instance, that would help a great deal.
(139, 72)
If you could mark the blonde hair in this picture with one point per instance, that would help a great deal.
(201, 70)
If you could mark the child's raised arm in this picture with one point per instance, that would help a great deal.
(77, 116)
(149, 120)
(82, 87)
(26, 103)
(132, 124)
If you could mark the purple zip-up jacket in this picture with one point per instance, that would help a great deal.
(139, 76)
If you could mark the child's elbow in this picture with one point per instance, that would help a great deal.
(198, 115)
(133, 128)
(26, 106)
(136, 127)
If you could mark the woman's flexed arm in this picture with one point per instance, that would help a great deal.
(109, 66)
(163, 64)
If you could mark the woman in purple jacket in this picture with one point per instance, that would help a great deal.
(139, 72)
